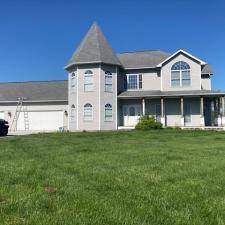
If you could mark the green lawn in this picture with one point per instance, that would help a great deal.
(164, 177)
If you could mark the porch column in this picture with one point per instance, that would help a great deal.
(182, 111)
(219, 110)
(223, 111)
(163, 121)
(202, 119)
(143, 106)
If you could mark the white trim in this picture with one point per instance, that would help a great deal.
(161, 80)
(99, 108)
(105, 81)
(184, 52)
(116, 106)
(181, 80)
(138, 76)
(105, 113)
(92, 112)
(77, 99)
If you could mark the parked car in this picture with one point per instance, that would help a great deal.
(4, 126)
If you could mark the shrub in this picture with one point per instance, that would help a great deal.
(147, 123)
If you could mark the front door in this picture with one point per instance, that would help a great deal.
(131, 114)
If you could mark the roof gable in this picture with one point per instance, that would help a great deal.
(181, 52)
(94, 48)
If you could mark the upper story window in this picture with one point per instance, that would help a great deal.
(88, 81)
(180, 75)
(73, 82)
(108, 112)
(73, 113)
(88, 112)
(133, 81)
(108, 81)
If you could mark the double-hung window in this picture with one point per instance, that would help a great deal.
(108, 81)
(108, 112)
(73, 82)
(73, 113)
(88, 81)
(180, 75)
(88, 112)
(133, 81)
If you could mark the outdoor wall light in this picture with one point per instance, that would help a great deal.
(65, 113)
(10, 114)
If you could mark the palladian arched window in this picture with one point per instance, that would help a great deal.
(180, 75)
(88, 81)
(108, 112)
(88, 112)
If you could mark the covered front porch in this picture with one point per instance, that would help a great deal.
(186, 111)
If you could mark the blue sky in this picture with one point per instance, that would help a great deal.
(38, 37)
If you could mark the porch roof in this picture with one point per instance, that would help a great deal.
(142, 94)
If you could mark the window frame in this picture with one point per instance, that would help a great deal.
(107, 107)
(73, 82)
(85, 116)
(88, 74)
(180, 70)
(139, 78)
(108, 74)
(73, 113)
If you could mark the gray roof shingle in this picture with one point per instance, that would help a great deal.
(34, 91)
(207, 69)
(94, 48)
(142, 59)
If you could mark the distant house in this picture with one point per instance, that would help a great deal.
(106, 91)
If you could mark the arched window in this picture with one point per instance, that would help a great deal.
(88, 81)
(108, 81)
(73, 82)
(108, 112)
(73, 113)
(180, 74)
(88, 112)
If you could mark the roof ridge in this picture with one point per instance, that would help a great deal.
(97, 33)
(137, 51)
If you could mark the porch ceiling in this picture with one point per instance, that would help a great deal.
(143, 94)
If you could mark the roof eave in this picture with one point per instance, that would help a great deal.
(93, 62)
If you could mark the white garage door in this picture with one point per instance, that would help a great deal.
(43, 121)
(2, 115)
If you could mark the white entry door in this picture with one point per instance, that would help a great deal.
(41, 120)
(131, 114)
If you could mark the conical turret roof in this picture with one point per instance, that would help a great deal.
(94, 48)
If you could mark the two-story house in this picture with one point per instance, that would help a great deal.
(107, 91)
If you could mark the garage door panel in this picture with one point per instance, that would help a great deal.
(49, 120)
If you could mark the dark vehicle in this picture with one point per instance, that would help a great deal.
(4, 126)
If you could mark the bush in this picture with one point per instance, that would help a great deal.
(147, 123)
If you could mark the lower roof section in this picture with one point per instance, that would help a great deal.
(146, 94)
(34, 91)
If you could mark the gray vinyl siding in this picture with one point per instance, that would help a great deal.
(150, 78)
(195, 74)
(91, 97)
(108, 98)
(72, 97)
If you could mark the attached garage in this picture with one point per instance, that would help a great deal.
(40, 120)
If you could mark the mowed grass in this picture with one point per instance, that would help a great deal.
(165, 177)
